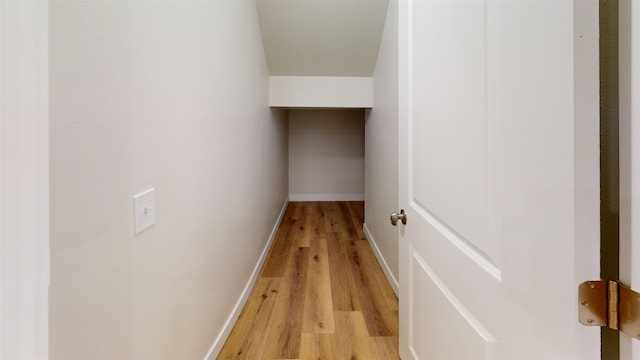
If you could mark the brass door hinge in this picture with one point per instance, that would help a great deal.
(609, 303)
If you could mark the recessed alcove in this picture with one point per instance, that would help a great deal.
(326, 154)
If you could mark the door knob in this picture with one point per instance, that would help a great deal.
(395, 217)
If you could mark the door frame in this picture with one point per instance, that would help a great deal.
(629, 122)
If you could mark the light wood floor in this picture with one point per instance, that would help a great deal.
(321, 293)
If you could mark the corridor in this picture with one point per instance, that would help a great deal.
(321, 293)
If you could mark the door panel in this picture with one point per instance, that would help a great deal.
(499, 177)
(451, 173)
(443, 335)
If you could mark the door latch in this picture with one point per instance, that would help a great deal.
(395, 217)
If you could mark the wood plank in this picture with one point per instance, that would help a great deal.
(318, 346)
(367, 290)
(343, 289)
(286, 328)
(338, 220)
(354, 341)
(308, 207)
(245, 341)
(356, 212)
(318, 306)
(318, 230)
(294, 210)
(332, 217)
(386, 347)
(302, 233)
(376, 275)
(347, 228)
(276, 261)
(382, 298)
(312, 227)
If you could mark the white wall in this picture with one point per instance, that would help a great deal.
(170, 95)
(320, 91)
(326, 155)
(381, 159)
(321, 38)
(24, 180)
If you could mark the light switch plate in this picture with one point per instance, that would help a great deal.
(144, 209)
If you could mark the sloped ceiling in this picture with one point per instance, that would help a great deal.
(321, 37)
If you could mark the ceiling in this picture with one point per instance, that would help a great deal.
(321, 37)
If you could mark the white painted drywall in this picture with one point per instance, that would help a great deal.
(320, 91)
(24, 180)
(321, 38)
(381, 152)
(170, 95)
(326, 155)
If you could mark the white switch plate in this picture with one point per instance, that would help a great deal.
(144, 209)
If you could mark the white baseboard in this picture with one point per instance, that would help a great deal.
(237, 309)
(385, 267)
(326, 197)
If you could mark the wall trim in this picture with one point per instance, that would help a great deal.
(383, 263)
(326, 197)
(237, 309)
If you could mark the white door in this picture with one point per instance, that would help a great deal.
(629, 82)
(499, 177)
